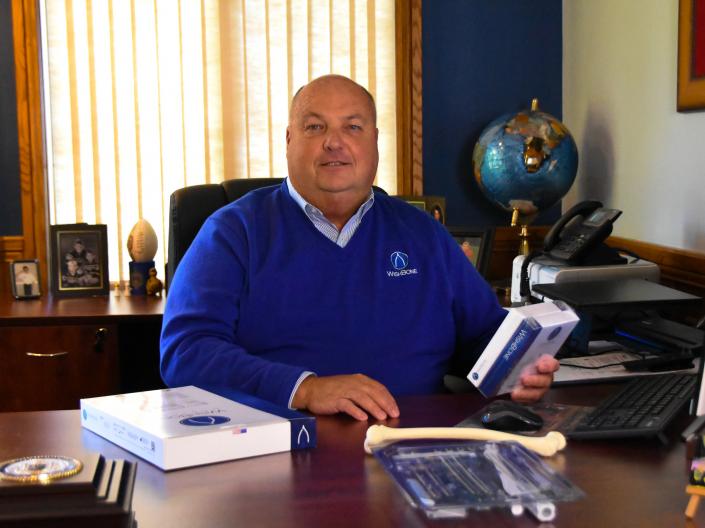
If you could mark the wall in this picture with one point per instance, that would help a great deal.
(482, 59)
(637, 153)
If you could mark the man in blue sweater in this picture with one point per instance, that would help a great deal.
(320, 294)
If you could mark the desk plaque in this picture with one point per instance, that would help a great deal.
(60, 491)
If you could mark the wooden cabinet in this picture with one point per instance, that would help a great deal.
(52, 367)
(55, 352)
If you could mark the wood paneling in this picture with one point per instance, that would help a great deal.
(409, 98)
(680, 268)
(32, 243)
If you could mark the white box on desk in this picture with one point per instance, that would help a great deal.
(188, 426)
(526, 333)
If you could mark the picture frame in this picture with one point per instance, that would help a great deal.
(433, 205)
(79, 260)
(25, 279)
(476, 243)
(691, 55)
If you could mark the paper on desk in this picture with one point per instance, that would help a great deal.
(603, 360)
(568, 374)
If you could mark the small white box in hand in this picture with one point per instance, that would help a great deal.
(188, 426)
(527, 333)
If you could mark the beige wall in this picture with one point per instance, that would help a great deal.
(619, 100)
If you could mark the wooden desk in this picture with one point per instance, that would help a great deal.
(627, 483)
(56, 351)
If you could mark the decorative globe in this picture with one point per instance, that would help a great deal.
(525, 162)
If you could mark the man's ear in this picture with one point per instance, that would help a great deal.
(288, 136)
(376, 134)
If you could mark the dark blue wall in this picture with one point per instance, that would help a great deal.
(482, 59)
(10, 205)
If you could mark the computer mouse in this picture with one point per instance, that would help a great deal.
(506, 415)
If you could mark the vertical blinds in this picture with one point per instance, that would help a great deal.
(143, 97)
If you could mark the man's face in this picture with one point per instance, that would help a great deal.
(332, 142)
(72, 266)
(77, 246)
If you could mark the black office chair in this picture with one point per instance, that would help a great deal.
(189, 207)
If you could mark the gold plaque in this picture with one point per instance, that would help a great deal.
(39, 469)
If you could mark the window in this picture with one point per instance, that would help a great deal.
(146, 96)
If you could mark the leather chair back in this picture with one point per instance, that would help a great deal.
(189, 207)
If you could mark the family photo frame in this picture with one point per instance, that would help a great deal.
(79, 260)
(476, 243)
(433, 205)
(25, 279)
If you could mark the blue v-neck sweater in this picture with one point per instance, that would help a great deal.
(261, 296)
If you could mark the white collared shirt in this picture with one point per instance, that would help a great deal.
(325, 226)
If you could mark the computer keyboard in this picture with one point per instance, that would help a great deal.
(643, 407)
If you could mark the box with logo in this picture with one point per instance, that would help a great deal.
(525, 334)
(188, 426)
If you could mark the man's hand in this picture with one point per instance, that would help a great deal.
(533, 385)
(354, 394)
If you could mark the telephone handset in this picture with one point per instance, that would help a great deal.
(580, 232)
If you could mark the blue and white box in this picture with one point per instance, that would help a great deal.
(188, 426)
(527, 333)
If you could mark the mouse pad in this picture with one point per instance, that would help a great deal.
(556, 417)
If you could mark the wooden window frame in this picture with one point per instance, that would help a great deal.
(32, 243)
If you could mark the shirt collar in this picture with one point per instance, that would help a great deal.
(309, 209)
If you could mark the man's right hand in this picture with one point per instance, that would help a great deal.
(354, 394)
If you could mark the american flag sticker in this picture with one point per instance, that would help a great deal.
(239, 429)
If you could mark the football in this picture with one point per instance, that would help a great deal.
(142, 242)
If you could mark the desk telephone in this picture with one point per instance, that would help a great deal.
(580, 232)
(578, 239)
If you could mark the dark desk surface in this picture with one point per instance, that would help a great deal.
(47, 310)
(627, 483)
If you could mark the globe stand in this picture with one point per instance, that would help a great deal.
(524, 248)
(523, 222)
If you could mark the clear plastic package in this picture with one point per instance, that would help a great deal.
(449, 479)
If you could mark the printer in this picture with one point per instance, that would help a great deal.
(545, 270)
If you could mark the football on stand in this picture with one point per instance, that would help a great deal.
(142, 242)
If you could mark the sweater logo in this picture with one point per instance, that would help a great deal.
(400, 262)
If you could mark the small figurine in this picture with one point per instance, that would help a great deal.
(154, 285)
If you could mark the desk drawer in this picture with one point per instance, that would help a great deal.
(52, 367)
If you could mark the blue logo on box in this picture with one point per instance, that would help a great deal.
(201, 421)
(554, 333)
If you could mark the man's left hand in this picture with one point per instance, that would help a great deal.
(534, 384)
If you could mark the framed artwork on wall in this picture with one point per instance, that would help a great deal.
(476, 243)
(691, 55)
(79, 260)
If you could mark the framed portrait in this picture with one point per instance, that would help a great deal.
(476, 244)
(433, 205)
(691, 55)
(24, 275)
(79, 260)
